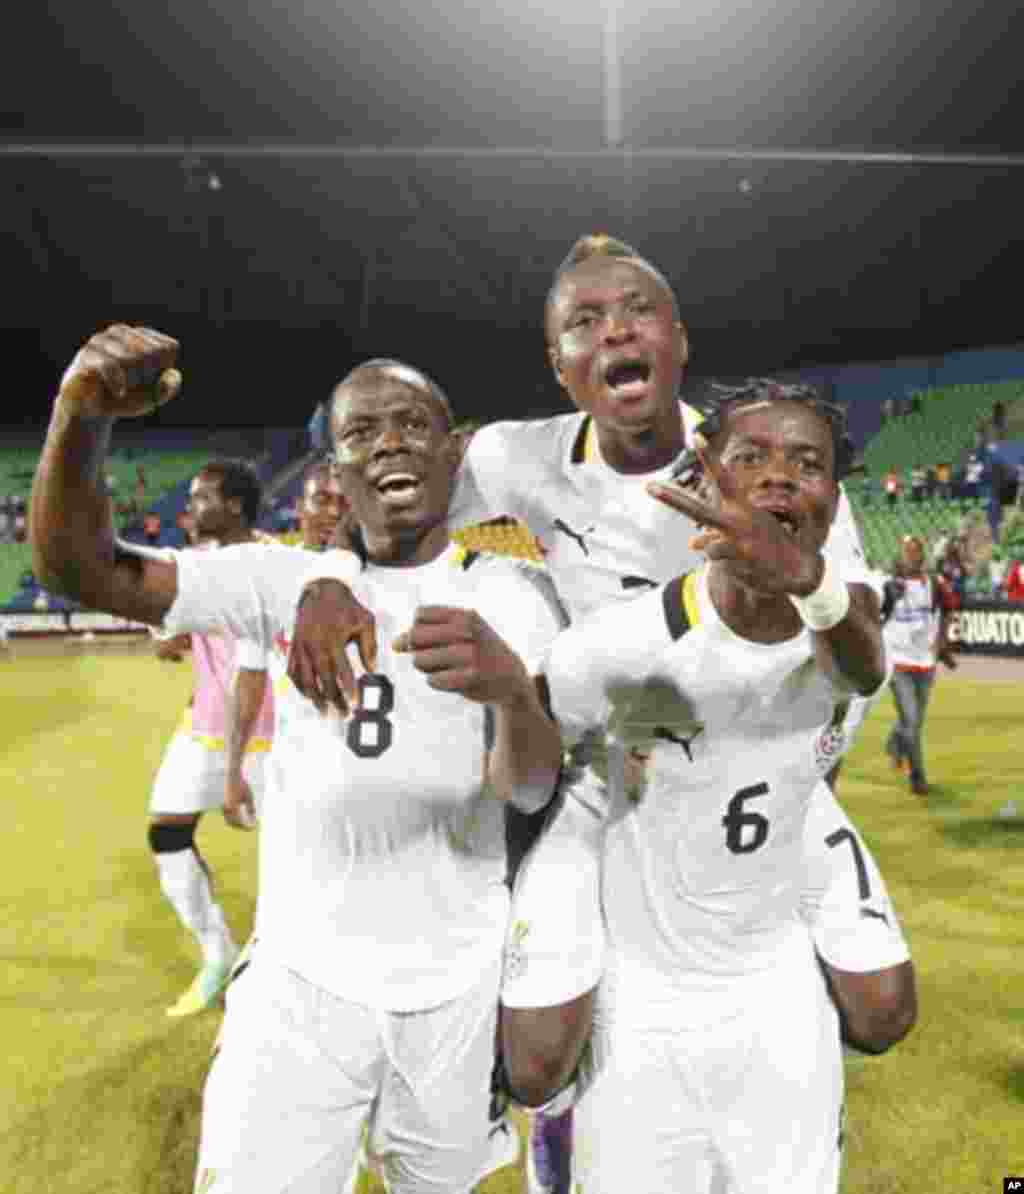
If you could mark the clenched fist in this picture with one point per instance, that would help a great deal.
(121, 373)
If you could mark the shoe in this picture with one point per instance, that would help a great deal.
(548, 1154)
(898, 762)
(204, 990)
(918, 786)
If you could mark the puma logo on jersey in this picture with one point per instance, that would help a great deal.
(567, 530)
(685, 743)
(638, 582)
(872, 914)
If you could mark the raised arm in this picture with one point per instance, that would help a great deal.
(843, 617)
(122, 372)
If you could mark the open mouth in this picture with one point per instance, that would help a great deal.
(787, 521)
(628, 379)
(399, 489)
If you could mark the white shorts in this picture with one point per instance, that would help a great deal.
(299, 1072)
(555, 946)
(191, 777)
(691, 1099)
(844, 899)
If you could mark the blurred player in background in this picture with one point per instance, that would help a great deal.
(224, 502)
(372, 996)
(323, 522)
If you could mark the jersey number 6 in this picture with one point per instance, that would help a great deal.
(745, 831)
(369, 731)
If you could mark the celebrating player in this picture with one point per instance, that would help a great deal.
(372, 993)
(224, 502)
(721, 1063)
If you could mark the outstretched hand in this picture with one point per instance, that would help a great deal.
(765, 555)
(121, 372)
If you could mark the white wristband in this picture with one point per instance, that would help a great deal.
(828, 604)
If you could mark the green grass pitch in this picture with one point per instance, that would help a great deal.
(102, 1092)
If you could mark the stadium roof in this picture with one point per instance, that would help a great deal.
(300, 185)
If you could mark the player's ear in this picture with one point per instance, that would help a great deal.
(684, 342)
(555, 361)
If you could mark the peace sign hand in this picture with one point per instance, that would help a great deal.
(765, 555)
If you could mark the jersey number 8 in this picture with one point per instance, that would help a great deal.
(369, 730)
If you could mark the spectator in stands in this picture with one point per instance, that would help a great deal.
(893, 485)
(997, 570)
(918, 481)
(974, 471)
(952, 568)
(1013, 582)
(151, 528)
(19, 521)
(999, 418)
(944, 480)
(915, 617)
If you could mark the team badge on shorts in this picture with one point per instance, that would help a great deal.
(515, 954)
(829, 748)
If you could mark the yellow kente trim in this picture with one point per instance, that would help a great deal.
(690, 599)
(590, 443)
(216, 741)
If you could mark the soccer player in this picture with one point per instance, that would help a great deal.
(224, 502)
(372, 993)
(721, 1060)
(618, 347)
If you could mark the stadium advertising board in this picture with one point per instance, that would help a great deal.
(31, 622)
(988, 628)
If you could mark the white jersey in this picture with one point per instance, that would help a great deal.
(912, 628)
(703, 858)
(604, 537)
(382, 856)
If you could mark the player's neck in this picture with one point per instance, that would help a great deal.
(751, 613)
(646, 449)
(408, 548)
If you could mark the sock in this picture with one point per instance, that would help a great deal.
(186, 885)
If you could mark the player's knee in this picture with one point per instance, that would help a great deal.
(542, 1047)
(169, 837)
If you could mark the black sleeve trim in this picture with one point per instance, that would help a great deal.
(579, 447)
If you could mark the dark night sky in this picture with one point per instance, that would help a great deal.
(296, 267)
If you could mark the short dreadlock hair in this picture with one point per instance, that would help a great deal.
(721, 400)
(602, 245)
